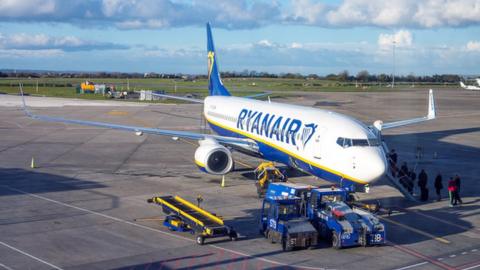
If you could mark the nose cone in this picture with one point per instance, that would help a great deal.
(372, 164)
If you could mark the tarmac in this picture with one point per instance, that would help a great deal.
(84, 205)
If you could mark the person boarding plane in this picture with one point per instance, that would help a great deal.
(329, 145)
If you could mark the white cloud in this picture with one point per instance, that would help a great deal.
(31, 53)
(473, 46)
(16, 8)
(402, 39)
(296, 45)
(22, 41)
(388, 13)
(241, 14)
(265, 43)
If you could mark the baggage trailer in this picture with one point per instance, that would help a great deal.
(185, 216)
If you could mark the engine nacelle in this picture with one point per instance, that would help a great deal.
(213, 158)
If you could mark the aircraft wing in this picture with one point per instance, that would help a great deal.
(194, 100)
(430, 116)
(237, 143)
(258, 95)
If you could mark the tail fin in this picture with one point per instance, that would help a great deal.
(462, 85)
(215, 85)
(478, 81)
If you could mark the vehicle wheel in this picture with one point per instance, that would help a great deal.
(271, 237)
(200, 240)
(265, 233)
(336, 241)
(286, 245)
(233, 236)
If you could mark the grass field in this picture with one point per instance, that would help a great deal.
(66, 87)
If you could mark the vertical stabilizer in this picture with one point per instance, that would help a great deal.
(215, 85)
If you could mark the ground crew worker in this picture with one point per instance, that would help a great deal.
(438, 186)
(457, 192)
(452, 188)
(422, 183)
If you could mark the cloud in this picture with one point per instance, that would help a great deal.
(473, 46)
(244, 14)
(387, 13)
(22, 41)
(402, 39)
(31, 53)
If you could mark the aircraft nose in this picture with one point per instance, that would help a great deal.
(373, 165)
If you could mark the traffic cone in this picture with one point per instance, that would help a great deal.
(32, 164)
(223, 180)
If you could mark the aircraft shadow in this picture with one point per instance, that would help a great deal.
(16, 181)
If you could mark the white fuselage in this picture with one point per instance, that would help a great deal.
(326, 144)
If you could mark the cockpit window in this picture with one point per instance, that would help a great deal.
(360, 142)
(374, 142)
(347, 142)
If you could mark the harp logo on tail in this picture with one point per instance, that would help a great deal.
(211, 58)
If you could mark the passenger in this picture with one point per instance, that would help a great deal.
(438, 186)
(457, 193)
(422, 183)
(403, 170)
(412, 177)
(393, 156)
(452, 189)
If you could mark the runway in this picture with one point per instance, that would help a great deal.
(77, 210)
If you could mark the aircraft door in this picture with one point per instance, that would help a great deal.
(320, 143)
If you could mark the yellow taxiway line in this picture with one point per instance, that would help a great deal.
(429, 235)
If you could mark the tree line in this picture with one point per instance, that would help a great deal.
(343, 76)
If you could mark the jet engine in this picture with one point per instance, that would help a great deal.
(213, 157)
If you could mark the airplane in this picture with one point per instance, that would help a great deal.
(325, 144)
(478, 81)
(470, 87)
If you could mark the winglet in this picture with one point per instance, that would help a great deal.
(431, 106)
(24, 105)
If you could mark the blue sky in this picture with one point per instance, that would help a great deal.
(305, 36)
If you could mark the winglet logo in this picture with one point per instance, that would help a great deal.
(210, 63)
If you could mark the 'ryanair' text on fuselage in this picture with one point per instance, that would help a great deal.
(282, 129)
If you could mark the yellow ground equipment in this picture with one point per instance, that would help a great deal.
(265, 174)
(87, 87)
(185, 216)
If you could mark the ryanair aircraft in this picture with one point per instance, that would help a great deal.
(325, 144)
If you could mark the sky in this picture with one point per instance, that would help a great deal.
(300, 36)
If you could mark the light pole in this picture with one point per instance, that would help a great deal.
(393, 75)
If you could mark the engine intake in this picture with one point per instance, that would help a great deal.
(213, 157)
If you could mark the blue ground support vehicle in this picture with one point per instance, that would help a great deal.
(335, 216)
(346, 226)
(281, 222)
